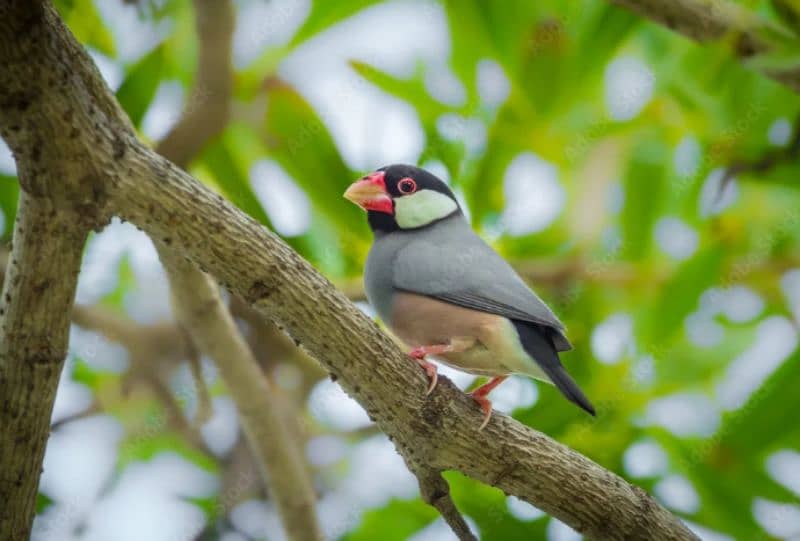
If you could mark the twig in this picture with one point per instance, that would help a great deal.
(154, 351)
(207, 110)
(767, 161)
(436, 492)
(200, 308)
(713, 20)
(204, 409)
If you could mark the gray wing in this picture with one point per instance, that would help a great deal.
(468, 272)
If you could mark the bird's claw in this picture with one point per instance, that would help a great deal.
(486, 406)
(418, 354)
(433, 374)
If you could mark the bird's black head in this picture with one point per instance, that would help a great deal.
(401, 197)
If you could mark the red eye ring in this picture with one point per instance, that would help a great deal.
(406, 185)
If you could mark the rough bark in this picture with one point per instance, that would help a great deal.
(712, 20)
(438, 432)
(34, 328)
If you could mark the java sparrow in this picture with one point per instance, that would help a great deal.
(445, 292)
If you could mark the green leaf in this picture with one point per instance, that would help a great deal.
(680, 295)
(140, 85)
(9, 198)
(145, 446)
(85, 22)
(229, 163)
(43, 501)
(324, 14)
(300, 142)
(644, 184)
(410, 90)
(396, 521)
(488, 507)
(767, 421)
(718, 476)
(126, 280)
(603, 28)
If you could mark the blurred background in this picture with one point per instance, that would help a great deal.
(646, 187)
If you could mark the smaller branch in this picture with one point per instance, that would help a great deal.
(198, 305)
(713, 20)
(175, 414)
(93, 409)
(114, 327)
(204, 409)
(271, 346)
(769, 160)
(200, 310)
(436, 492)
(154, 351)
(207, 111)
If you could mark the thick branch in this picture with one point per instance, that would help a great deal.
(438, 431)
(34, 325)
(712, 20)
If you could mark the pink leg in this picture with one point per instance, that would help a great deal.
(419, 353)
(480, 393)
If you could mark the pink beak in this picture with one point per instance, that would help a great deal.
(370, 193)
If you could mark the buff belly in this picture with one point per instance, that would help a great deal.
(493, 344)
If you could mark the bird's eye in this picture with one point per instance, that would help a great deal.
(406, 186)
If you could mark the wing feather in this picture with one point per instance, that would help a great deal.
(467, 272)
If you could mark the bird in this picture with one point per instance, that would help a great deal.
(444, 292)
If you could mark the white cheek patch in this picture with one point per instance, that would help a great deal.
(422, 208)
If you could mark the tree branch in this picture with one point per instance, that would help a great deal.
(200, 308)
(271, 346)
(767, 161)
(712, 20)
(34, 328)
(438, 431)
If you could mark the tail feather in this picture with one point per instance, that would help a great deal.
(537, 343)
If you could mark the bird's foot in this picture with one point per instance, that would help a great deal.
(486, 406)
(479, 395)
(456, 345)
(418, 354)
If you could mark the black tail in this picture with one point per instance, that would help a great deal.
(538, 344)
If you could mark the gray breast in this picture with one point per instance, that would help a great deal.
(378, 272)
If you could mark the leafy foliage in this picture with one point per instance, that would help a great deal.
(696, 110)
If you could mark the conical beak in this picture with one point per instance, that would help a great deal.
(370, 193)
